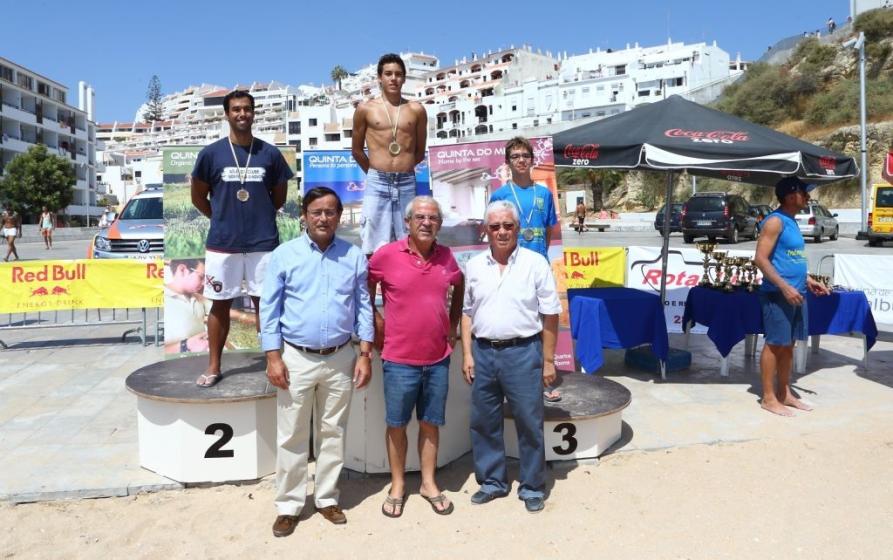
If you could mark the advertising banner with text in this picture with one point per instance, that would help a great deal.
(338, 170)
(684, 270)
(80, 284)
(594, 267)
(871, 274)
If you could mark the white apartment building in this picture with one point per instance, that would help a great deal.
(363, 84)
(35, 110)
(122, 175)
(519, 89)
(466, 98)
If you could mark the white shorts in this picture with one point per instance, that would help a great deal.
(10, 232)
(225, 272)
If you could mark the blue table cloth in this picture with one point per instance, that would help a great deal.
(729, 317)
(615, 318)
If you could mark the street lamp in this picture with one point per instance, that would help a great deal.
(858, 43)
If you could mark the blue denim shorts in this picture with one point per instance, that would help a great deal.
(421, 387)
(783, 323)
(384, 201)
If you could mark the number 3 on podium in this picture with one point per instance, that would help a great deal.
(567, 431)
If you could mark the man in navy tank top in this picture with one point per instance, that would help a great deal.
(781, 256)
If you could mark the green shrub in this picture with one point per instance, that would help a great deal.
(876, 24)
(840, 104)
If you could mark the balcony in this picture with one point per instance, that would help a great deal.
(14, 144)
(16, 114)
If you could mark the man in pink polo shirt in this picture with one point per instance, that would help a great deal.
(419, 332)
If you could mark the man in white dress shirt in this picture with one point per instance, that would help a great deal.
(509, 328)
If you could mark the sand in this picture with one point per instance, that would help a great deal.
(824, 495)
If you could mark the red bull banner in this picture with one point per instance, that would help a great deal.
(594, 267)
(80, 284)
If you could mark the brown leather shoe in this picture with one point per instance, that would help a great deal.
(334, 515)
(285, 525)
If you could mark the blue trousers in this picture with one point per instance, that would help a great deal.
(516, 375)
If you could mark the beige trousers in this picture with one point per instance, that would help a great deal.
(321, 386)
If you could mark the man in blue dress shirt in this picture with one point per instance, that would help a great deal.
(314, 299)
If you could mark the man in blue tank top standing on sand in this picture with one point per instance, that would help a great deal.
(781, 256)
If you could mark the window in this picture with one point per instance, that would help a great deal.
(6, 73)
(313, 142)
(585, 90)
(645, 93)
(294, 127)
(514, 126)
(600, 87)
(348, 133)
(311, 122)
(514, 107)
(43, 89)
(333, 137)
(620, 69)
(298, 166)
(25, 81)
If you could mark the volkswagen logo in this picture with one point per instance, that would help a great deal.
(143, 246)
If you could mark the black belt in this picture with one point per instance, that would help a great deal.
(320, 351)
(508, 341)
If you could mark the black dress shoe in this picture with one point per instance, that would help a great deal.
(534, 505)
(285, 525)
(482, 497)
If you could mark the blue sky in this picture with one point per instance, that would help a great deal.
(118, 45)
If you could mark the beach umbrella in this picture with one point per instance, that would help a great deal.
(676, 135)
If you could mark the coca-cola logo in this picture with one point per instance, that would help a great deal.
(708, 136)
(828, 163)
(584, 151)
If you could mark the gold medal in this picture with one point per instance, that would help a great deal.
(243, 195)
(394, 148)
(527, 234)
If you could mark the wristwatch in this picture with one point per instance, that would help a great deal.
(365, 354)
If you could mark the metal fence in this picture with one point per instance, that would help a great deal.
(82, 318)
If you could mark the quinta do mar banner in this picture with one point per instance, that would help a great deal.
(80, 284)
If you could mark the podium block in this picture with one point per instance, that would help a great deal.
(583, 424)
(217, 434)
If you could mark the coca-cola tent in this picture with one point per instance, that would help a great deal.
(676, 135)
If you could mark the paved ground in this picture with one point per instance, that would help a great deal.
(68, 425)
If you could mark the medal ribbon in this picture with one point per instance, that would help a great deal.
(521, 208)
(390, 122)
(242, 175)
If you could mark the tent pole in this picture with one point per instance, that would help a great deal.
(665, 251)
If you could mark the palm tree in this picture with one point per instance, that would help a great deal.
(338, 73)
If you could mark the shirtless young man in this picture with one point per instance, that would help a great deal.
(12, 228)
(395, 130)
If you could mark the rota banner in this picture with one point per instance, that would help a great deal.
(80, 284)
(684, 270)
(594, 267)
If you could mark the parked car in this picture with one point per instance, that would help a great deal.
(675, 215)
(137, 233)
(880, 215)
(717, 214)
(816, 221)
